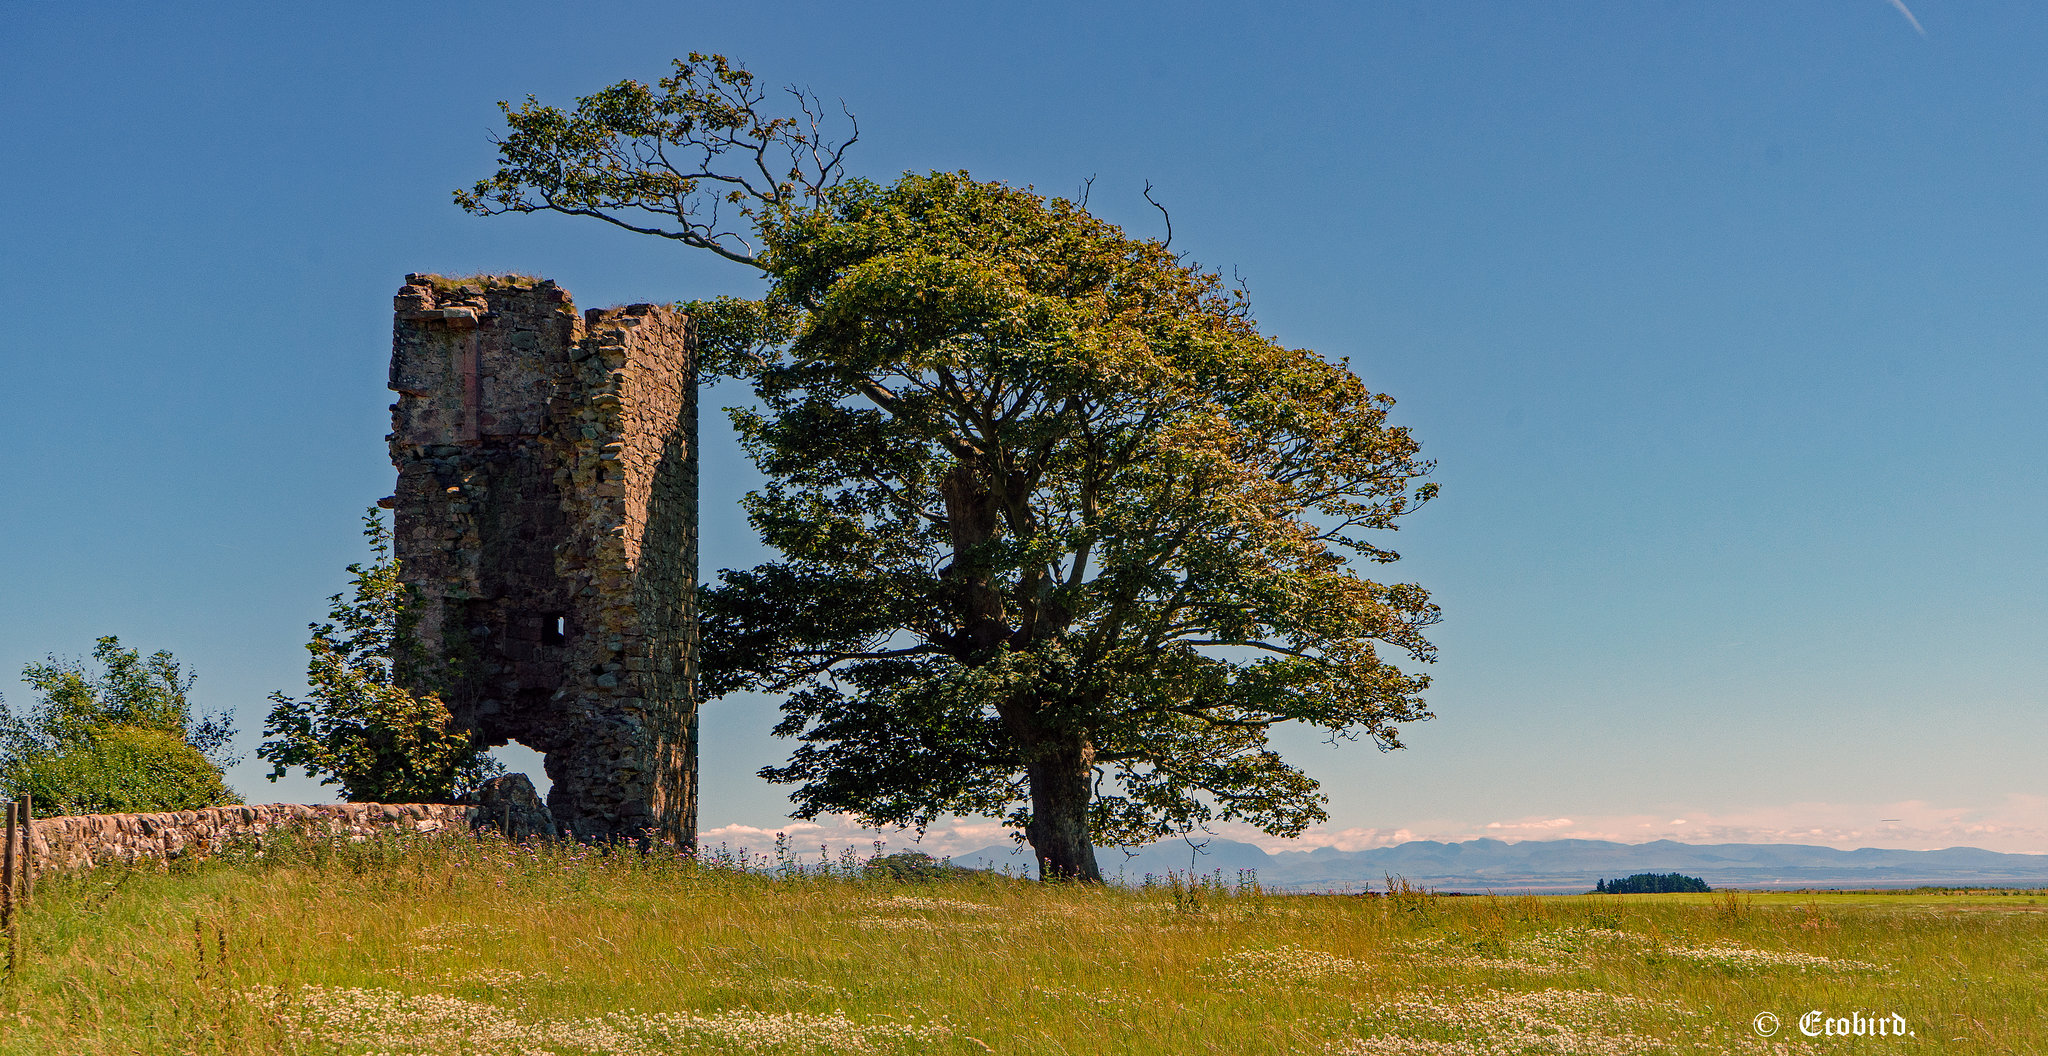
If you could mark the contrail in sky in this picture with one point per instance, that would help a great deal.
(1904, 10)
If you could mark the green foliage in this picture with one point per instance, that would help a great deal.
(359, 727)
(912, 866)
(122, 770)
(1652, 884)
(1089, 524)
(1063, 535)
(643, 158)
(114, 736)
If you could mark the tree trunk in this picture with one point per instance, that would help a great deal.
(1061, 770)
(971, 521)
(1059, 766)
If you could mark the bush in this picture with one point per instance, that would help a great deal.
(115, 736)
(122, 770)
(912, 866)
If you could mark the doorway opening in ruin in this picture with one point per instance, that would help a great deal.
(518, 758)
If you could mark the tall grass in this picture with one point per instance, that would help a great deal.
(461, 945)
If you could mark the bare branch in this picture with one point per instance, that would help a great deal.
(1162, 212)
(698, 141)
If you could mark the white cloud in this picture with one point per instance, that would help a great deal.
(1539, 825)
(836, 832)
(2017, 823)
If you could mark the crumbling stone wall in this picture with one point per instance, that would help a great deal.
(80, 841)
(546, 514)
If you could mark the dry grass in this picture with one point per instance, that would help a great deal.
(474, 947)
(481, 281)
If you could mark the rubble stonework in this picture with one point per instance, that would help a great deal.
(509, 802)
(546, 515)
(81, 841)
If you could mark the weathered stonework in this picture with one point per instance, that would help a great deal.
(546, 514)
(509, 802)
(81, 841)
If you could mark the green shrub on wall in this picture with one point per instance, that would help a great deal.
(121, 770)
(113, 736)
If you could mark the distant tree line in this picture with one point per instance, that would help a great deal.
(1652, 884)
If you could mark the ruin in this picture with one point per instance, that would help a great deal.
(546, 516)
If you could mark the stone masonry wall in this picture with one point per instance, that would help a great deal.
(84, 840)
(546, 514)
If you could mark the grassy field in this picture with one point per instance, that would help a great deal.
(476, 947)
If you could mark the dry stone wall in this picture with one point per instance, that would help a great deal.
(82, 841)
(546, 515)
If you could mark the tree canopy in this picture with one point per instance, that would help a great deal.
(695, 157)
(1062, 534)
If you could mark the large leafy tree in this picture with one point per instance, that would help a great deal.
(1063, 535)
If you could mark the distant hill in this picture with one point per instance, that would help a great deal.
(1559, 865)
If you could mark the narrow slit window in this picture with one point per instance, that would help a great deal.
(554, 629)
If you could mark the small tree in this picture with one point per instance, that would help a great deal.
(114, 736)
(357, 727)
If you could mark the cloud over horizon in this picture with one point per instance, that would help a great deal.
(2016, 824)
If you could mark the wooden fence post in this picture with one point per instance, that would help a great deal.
(7, 884)
(28, 848)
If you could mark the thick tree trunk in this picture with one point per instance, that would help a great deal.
(1061, 771)
(971, 519)
(1059, 766)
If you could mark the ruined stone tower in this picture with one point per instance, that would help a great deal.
(546, 513)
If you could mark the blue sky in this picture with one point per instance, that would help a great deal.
(1724, 323)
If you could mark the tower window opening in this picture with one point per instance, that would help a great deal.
(554, 629)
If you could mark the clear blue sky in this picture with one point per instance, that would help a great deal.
(1724, 322)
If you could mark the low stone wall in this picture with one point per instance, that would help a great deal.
(83, 840)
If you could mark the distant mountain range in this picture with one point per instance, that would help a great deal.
(1558, 866)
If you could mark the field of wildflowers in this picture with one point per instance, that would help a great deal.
(483, 948)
